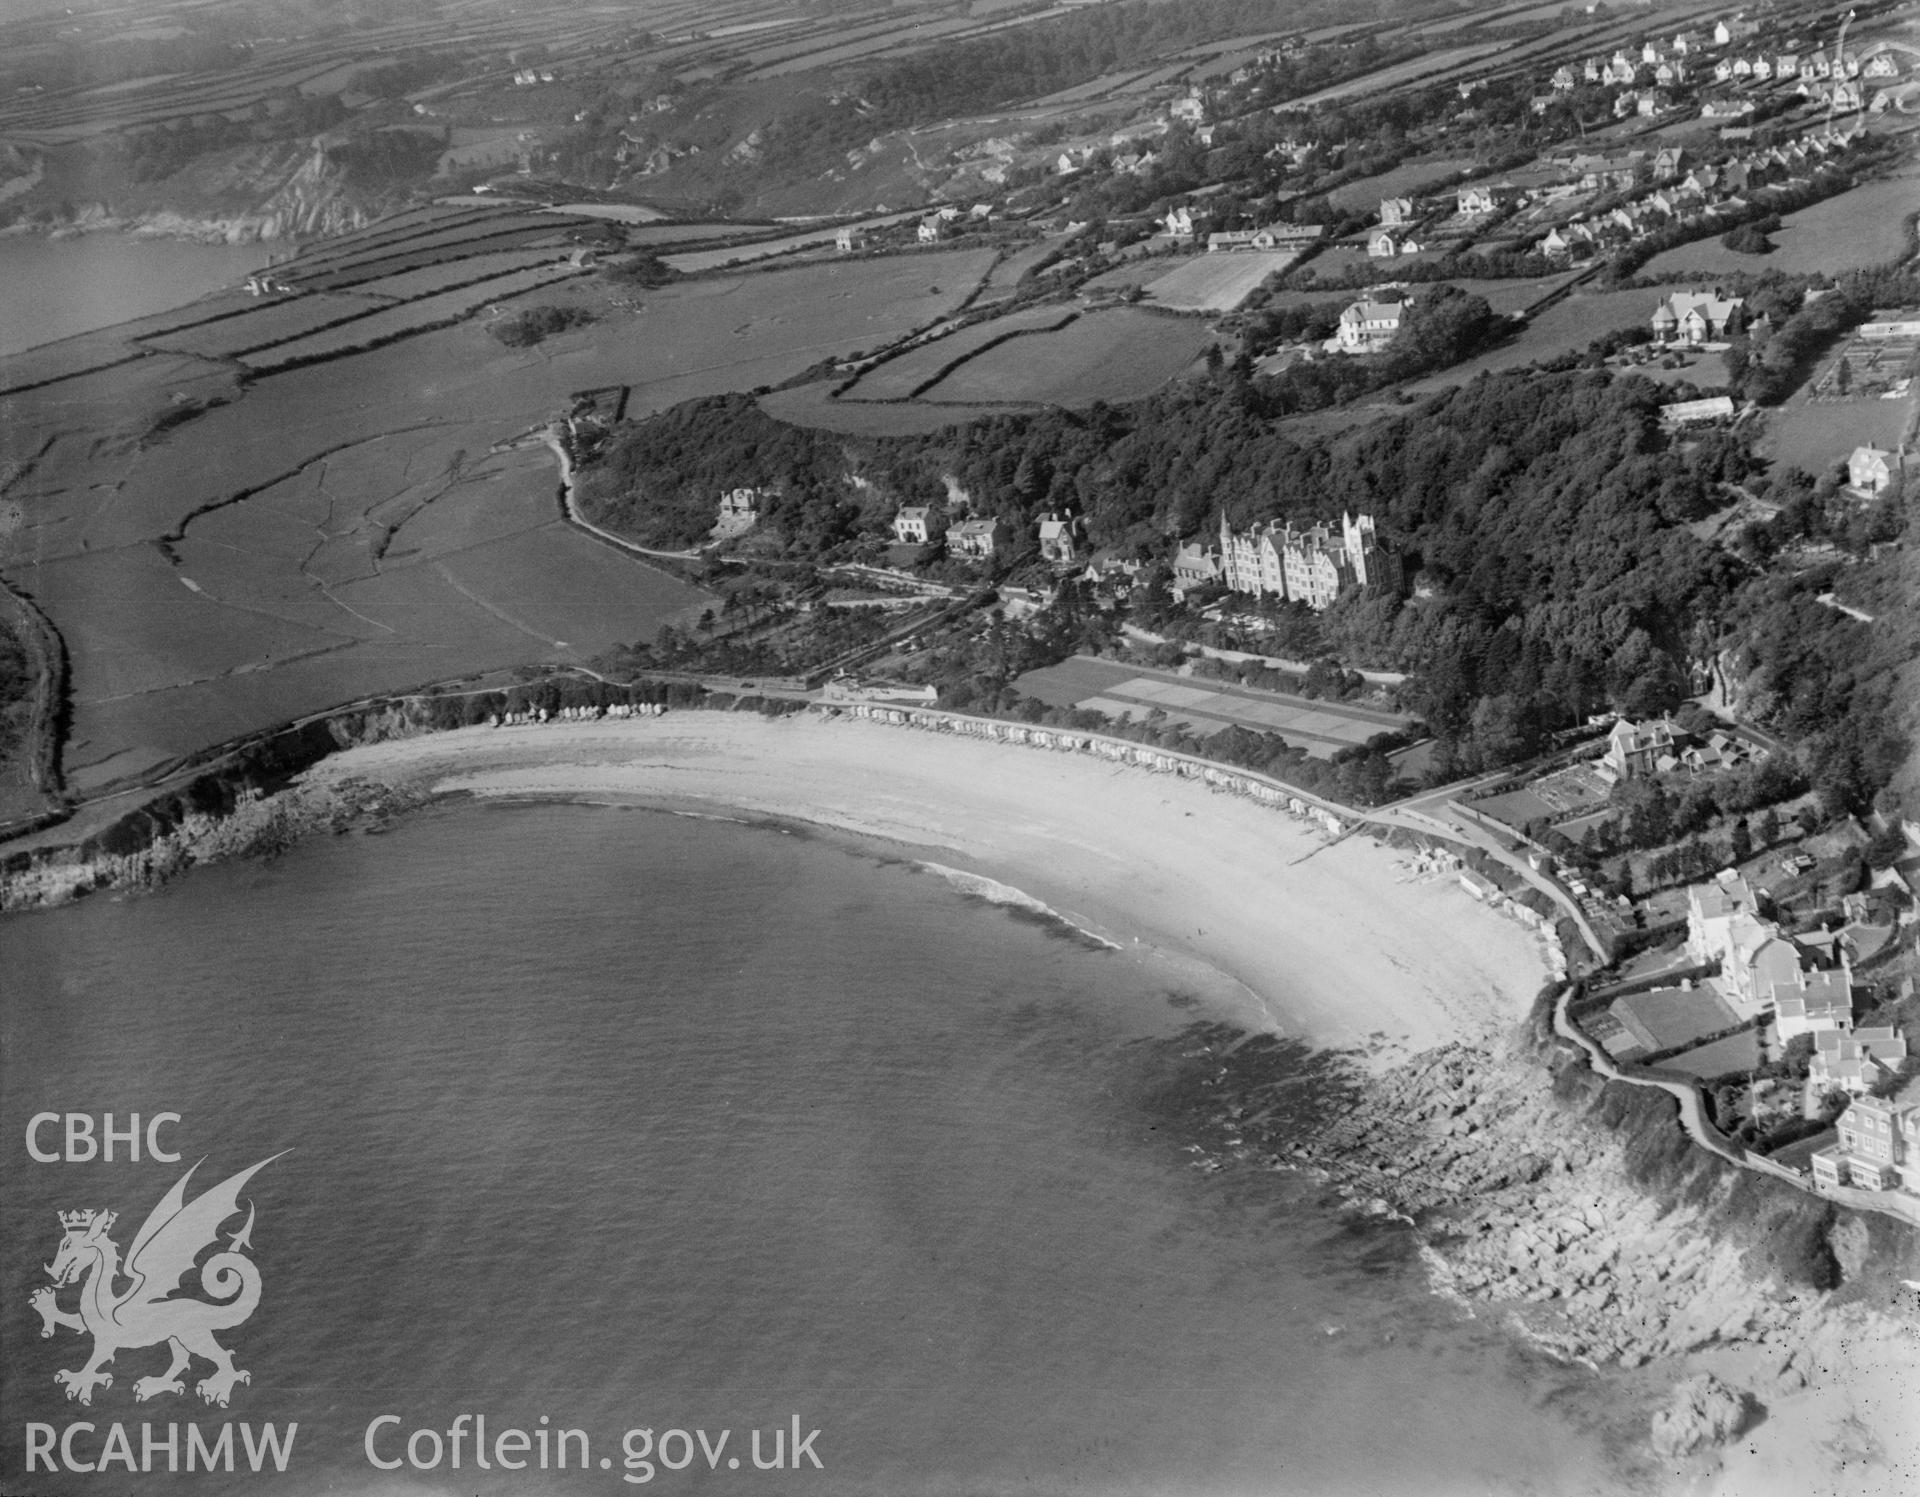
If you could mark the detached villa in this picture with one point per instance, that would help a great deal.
(1760, 968)
(974, 540)
(1369, 326)
(911, 524)
(1871, 470)
(1060, 537)
(1694, 317)
(1638, 751)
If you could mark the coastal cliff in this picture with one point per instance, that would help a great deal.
(1577, 1210)
(1572, 1209)
(275, 191)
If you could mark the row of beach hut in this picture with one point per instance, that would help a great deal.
(538, 715)
(1219, 777)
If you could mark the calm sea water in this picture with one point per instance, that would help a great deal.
(627, 1121)
(56, 288)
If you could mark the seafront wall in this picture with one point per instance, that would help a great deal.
(236, 809)
(140, 846)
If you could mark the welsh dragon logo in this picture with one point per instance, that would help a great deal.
(145, 1313)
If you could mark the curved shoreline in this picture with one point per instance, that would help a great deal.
(1348, 951)
(1335, 942)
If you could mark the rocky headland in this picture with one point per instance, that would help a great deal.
(1576, 1209)
(1752, 1321)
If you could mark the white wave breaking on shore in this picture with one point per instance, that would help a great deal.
(995, 892)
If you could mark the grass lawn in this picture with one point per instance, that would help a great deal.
(1815, 434)
(1737, 1053)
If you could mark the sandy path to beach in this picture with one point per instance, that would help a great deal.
(1340, 943)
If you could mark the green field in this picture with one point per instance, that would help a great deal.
(397, 322)
(1217, 282)
(1567, 326)
(693, 262)
(1116, 355)
(904, 376)
(348, 527)
(266, 322)
(62, 360)
(448, 274)
(1861, 228)
(812, 405)
(1405, 181)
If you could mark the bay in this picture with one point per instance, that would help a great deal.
(625, 1121)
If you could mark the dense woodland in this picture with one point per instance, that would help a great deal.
(1546, 516)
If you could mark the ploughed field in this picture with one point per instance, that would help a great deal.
(1216, 282)
(223, 554)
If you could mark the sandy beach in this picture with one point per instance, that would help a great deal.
(1336, 944)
